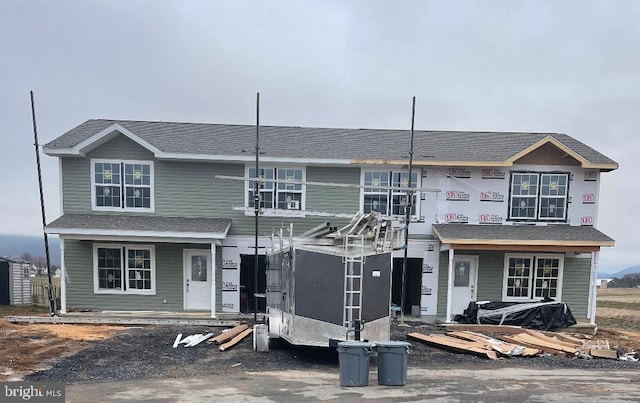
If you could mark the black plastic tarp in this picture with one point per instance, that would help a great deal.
(544, 315)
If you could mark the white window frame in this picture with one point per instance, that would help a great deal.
(125, 277)
(274, 211)
(532, 277)
(123, 187)
(390, 193)
(538, 197)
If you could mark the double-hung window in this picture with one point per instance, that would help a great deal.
(282, 188)
(539, 196)
(532, 277)
(383, 192)
(122, 269)
(122, 185)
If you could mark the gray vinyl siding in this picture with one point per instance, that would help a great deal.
(218, 276)
(78, 259)
(490, 271)
(575, 285)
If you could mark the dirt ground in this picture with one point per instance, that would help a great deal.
(27, 348)
(80, 353)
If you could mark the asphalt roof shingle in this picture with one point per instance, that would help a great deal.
(307, 142)
(140, 223)
(522, 233)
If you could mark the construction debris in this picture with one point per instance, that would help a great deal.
(229, 334)
(191, 341)
(236, 339)
(512, 341)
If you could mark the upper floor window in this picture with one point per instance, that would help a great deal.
(539, 196)
(287, 193)
(383, 192)
(122, 185)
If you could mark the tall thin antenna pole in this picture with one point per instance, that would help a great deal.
(407, 220)
(256, 204)
(52, 300)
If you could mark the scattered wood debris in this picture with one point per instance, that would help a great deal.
(235, 340)
(494, 341)
(229, 334)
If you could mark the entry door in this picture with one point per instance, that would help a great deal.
(465, 270)
(197, 277)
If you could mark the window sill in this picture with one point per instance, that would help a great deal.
(124, 210)
(275, 213)
(117, 292)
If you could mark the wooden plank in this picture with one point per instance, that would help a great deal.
(513, 339)
(565, 337)
(229, 334)
(603, 353)
(177, 341)
(502, 329)
(455, 344)
(236, 339)
(500, 346)
(527, 338)
(540, 335)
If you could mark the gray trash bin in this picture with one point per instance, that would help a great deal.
(392, 362)
(354, 358)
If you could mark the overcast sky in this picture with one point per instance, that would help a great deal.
(552, 66)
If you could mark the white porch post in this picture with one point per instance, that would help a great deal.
(213, 280)
(63, 279)
(450, 286)
(591, 314)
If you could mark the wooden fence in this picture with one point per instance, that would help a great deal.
(40, 290)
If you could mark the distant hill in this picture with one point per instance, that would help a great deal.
(621, 273)
(16, 245)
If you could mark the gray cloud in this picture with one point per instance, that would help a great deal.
(559, 66)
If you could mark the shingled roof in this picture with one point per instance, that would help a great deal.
(156, 226)
(529, 235)
(351, 145)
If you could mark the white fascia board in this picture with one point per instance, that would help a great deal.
(138, 234)
(252, 158)
(106, 134)
(61, 152)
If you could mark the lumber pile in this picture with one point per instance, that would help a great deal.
(494, 341)
(226, 339)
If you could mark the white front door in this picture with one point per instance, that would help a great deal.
(197, 277)
(465, 269)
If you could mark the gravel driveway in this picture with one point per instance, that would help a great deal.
(147, 353)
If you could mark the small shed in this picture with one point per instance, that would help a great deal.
(15, 281)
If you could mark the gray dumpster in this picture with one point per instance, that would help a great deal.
(392, 362)
(354, 363)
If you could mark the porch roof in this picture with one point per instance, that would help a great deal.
(110, 225)
(556, 237)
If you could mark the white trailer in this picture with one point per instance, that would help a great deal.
(326, 285)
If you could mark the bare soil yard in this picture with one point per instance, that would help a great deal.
(80, 353)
